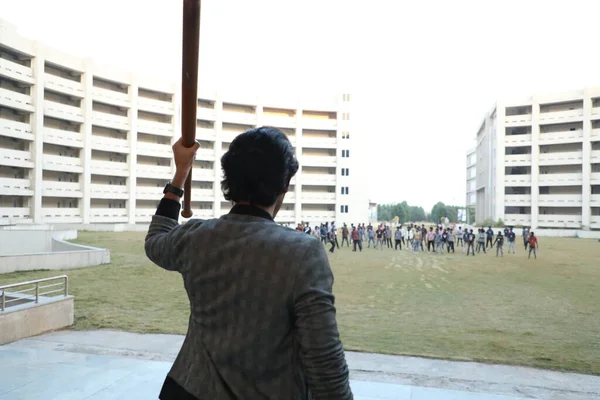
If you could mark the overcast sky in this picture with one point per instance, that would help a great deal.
(423, 73)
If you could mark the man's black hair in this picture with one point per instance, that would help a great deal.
(258, 166)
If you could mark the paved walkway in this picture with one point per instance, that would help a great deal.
(103, 365)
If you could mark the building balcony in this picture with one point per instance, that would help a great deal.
(517, 180)
(290, 197)
(16, 158)
(317, 216)
(14, 215)
(319, 161)
(595, 222)
(203, 213)
(204, 154)
(517, 140)
(560, 200)
(319, 123)
(239, 118)
(522, 200)
(517, 219)
(205, 133)
(110, 121)
(144, 214)
(571, 179)
(18, 130)
(112, 145)
(559, 221)
(17, 100)
(154, 171)
(110, 97)
(203, 174)
(110, 168)
(110, 215)
(595, 113)
(561, 137)
(149, 193)
(285, 215)
(63, 138)
(595, 178)
(154, 150)
(279, 121)
(595, 200)
(228, 136)
(206, 114)
(318, 198)
(517, 159)
(15, 187)
(561, 158)
(62, 85)
(595, 134)
(318, 179)
(524, 119)
(111, 192)
(319, 143)
(155, 106)
(62, 215)
(595, 156)
(155, 128)
(15, 71)
(562, 116)
(62, 163)
(62, 189)
(63, 111)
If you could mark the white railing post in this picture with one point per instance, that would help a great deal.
(37, 292)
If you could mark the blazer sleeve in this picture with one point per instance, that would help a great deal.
(320, 348)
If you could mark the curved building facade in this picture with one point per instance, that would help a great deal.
(83, 144)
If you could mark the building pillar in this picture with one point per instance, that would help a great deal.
(298, 186)
(586, 167)
(37, 128)
(259, 113)
(535, 162)
(132, 117)
(218, 127)
(498, 169)
(87, 82)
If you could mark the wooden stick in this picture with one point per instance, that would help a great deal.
(189, 87)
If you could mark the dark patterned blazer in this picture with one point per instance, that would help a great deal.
(262, 317)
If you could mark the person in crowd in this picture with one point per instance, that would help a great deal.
(411, 236)
(317, 232)
(511, 241)
(489, 237)
(416, 240)
(533, 245)
(361, 235)
(398, 238)
(481, 240)
(450, 240)
(380, 234)
(505, 232)
(323, 234)
(403, 230)
(423, 236)
(459, 238)
(499, 243)
(431, 240)
(387, 232)
(307, 229)
(444, 238)
(470, 241)
(333, 235)
(345, 234)
(371, 237)
(525, 234)
(438, 241)
(299, 228)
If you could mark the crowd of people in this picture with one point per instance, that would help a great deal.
(437, 239)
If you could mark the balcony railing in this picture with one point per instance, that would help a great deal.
(517, 219)
(517, 119)
(319, 143)
(157, 106)
(571, 179)
(517, 180)
(113, 145)
(317, 216)
(516, 140)
(517, 200)
(595, 200)
(595, 133)
(156, 193)
(238, 117)
(595, 178)
(318, 179)
(206, 114)
(154, 171)
(561, 158)
(595, 156)
(62, 163)
(63, 111)
(560, 200)
(61, 215)
(16, 71)
(104, 191)
(595, 221)
(110, 168)
(16, 158)
(63, 85)
(595, 110)
(279, 121)
(61, 189)
(110, 120)
(559, 221)
(110, 97)
(144, 214)
(63, 138)
(155, 128)
(517, 159)
(14, 214)
(561, 137)
(205, 133)
(228, 136)
(319, 123)
(308, 197)
(320, 161)
(15, 129)
(108, 215)
(290, 197)
(286, 215)
(561, 115)
(205, 154)
(16, 100)
(15, 187)
(154, 150)
(203, 174)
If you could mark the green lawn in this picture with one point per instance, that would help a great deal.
(543, 313)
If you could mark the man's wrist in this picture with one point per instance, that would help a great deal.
(179, 178)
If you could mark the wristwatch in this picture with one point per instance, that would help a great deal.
(169, 188)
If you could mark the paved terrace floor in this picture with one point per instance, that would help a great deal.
(102, 365)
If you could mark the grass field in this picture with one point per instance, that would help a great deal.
(543, 313)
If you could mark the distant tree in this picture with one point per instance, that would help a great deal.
(417, 214)
(438, 211)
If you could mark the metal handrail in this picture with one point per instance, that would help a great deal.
(37, 288)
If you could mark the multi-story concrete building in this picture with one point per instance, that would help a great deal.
(538, 162)
(471, 177)
(83, 144)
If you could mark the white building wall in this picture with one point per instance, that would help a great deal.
(83, 144)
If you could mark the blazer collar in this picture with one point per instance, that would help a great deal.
(245, 209)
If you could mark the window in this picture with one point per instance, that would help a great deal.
(346, 209)
(341, 209)
(345, 135)
(346, 153)
(347, 190)
(347, 171)
(346, 97)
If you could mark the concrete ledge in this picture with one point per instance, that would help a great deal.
(28, 320)
(54, 260)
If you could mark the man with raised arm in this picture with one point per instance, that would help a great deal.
(262, 323)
